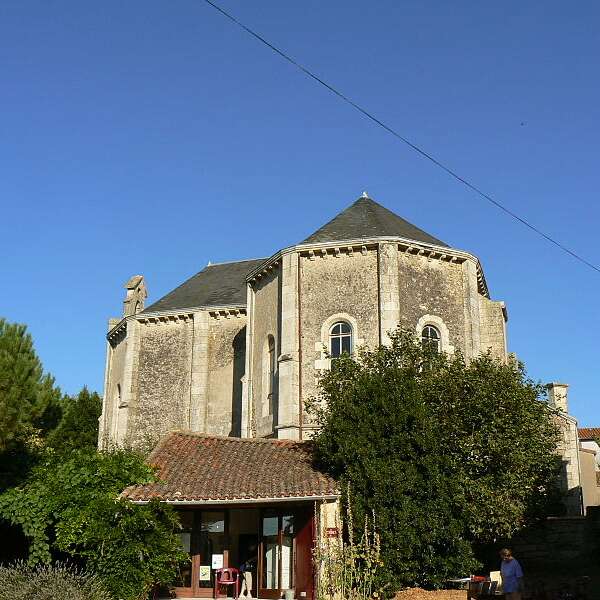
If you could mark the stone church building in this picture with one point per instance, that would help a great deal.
(236, 349)
(229, 358)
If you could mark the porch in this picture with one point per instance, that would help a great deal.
(247, 504)
(271, 545)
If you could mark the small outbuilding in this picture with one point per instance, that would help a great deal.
(242, 501)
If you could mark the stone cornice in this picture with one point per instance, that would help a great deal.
(119, 329)
(227, 313)
(183, 317)
(192, 309)
(349, 247)
(266, 268)
(174, 316)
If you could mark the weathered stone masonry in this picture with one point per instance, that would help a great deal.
(238, 348)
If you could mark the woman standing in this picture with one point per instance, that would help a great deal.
(511, 575)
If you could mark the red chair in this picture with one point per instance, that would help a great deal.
(225, 577)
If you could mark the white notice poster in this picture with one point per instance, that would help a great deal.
(204, 573)
(217, 561)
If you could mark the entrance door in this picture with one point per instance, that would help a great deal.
(212, 550)
(283, 554)
(203, 537)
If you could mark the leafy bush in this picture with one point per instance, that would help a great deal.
(46, 582)
(71, 504)
(446, 453)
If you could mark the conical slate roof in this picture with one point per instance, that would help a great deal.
(367, 219)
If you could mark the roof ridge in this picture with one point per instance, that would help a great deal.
(232, 438)
(231, 262)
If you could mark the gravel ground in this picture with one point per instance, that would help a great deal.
(420, 594)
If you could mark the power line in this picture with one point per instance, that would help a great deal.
(406, 141)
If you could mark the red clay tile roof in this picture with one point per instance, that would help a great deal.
(197, 467)
(589, 433)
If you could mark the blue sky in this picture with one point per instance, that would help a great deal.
(151, 137)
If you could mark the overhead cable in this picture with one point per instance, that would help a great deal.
(403, 139)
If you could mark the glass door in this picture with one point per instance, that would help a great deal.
(276, 557)
(212, 548)
(186, 575)
(270, 551)
(287, 552)
(203, 537)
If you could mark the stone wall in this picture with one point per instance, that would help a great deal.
(433, 287)
(568, 449)
(163, 389)
(117, 350)
(589, 479)
(226, 363)
(265, 323)
(493, 328)
(560, 541)
(342, 285)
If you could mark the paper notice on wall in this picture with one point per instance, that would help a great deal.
(217, 561)
(204, 573)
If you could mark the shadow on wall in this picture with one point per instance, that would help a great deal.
(239, 368)
(561, 544)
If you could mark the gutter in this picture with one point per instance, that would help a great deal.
(240, 500)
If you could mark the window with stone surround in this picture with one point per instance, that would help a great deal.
(431, 338)
(340, 339)
(427, 328)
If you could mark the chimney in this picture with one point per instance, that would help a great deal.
(557, 395)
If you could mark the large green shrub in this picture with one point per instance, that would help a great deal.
(49, 582)
(71, 504)
(444, 453)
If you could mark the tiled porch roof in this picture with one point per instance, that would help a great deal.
(197, 468)
(589, 433)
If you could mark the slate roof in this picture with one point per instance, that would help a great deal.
(589, 433)
(367, 219)
(198, 467)
(221, 284)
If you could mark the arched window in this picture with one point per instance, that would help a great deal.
(340, 339)
(269, 375)
(430, 338)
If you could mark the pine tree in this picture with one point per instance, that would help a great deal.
(28, 397)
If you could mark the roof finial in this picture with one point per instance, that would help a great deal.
(365, 195)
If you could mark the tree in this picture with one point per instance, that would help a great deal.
(29, 400)
(70, 504)
(30, 404)
(445, 453)
(78, 428)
